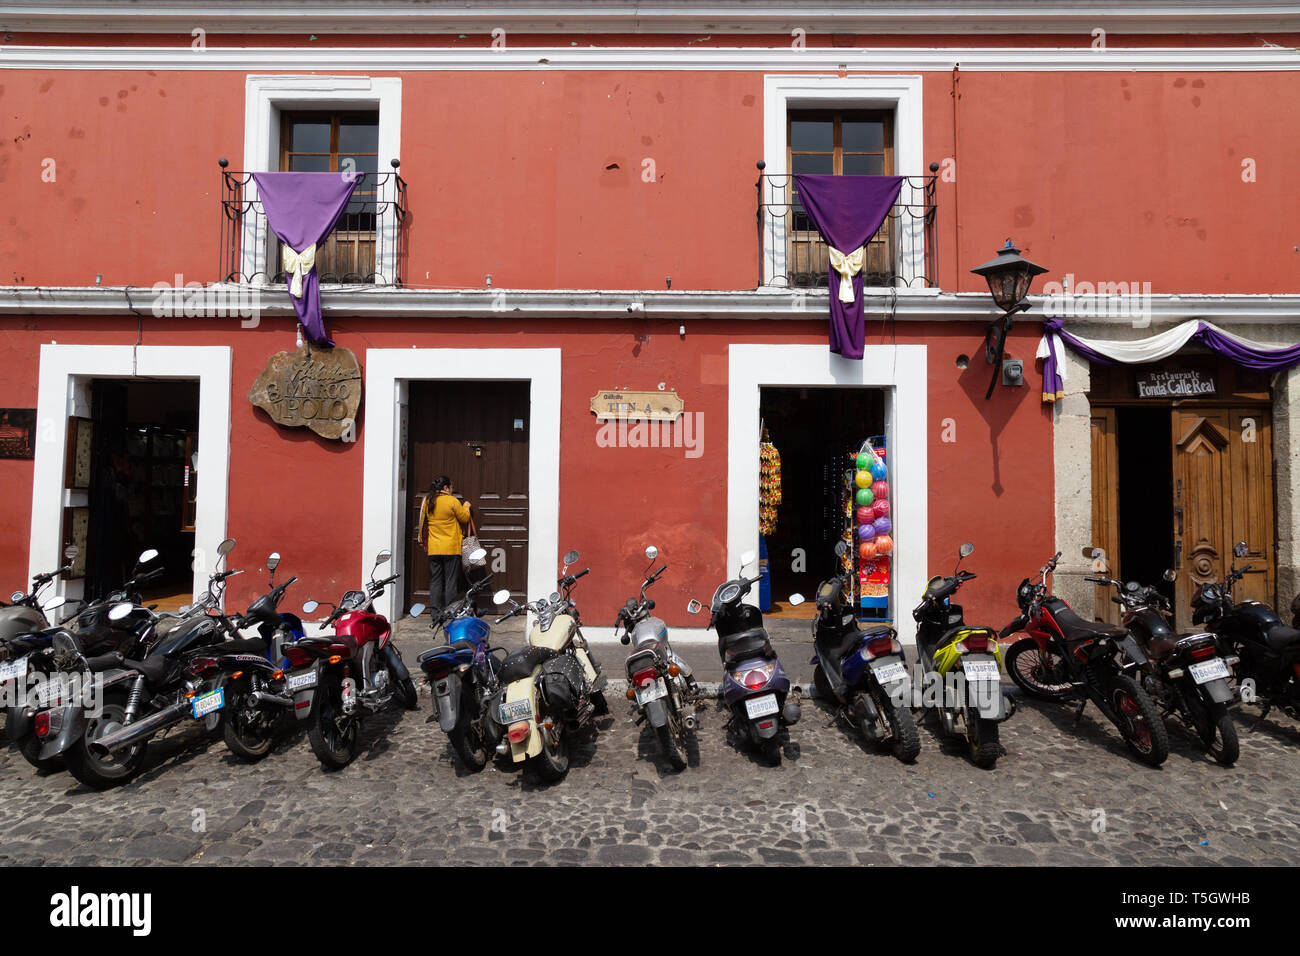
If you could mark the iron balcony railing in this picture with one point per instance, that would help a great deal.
(792, 254)
(367, 246)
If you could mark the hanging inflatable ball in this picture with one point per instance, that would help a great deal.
(882, 526)
(879, 471)
(867, 550)
(884, 544)
(881, 508)
(866, 532)
(864, 461)
(864, 497)
(880, 489)
(866, 515)
(862, 479)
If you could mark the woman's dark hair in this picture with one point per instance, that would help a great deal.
(439, 483)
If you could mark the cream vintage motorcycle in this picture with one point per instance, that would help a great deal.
(553, 687)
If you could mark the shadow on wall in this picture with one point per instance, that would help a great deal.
(999, 409)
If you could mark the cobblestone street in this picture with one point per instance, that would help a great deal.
(1057, 797)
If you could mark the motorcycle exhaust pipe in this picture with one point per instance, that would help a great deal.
(258, 697)
(111, 743)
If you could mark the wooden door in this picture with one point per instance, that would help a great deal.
(476, 433)
(1223, 493)
(1105, 505)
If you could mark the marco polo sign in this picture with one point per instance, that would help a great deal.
(318, 389)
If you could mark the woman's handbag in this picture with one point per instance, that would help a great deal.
(469, 544)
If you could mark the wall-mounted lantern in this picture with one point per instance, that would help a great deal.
(1009, 276)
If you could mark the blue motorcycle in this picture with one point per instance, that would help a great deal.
(464, 674)
(754, 684)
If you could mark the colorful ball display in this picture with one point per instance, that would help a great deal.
(867, 550)
(864, 461)
(879, 471)
(884, 544)
(881, 509)
(866, 515)
(866, 532)
(880, 489)
(882, 526)
(862, 479)
(865, 497)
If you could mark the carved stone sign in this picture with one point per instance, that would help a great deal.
(1183, 383)
(637, 406)
(316, 388)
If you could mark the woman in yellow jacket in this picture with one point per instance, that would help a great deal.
(441, 516)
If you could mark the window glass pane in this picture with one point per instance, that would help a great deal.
(808, 134)
(359, 135)
(864, 165)
(805, 163)
(308, 164)
(361, 164)
(863, 136)
(309, 136)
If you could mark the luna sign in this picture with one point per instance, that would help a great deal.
(318, 389)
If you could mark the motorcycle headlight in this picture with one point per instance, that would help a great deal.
(16, 597)
(66, 650)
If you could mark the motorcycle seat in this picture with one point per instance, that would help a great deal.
(752, 642)
(104, 662)
(153, 669)
(1282, 638)
(1076, 628)
(833, 647)
(521, 663)
(440, 650)
(1158, 648)
(243, 645)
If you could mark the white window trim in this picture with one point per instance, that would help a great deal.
(901, 94)
(383, 520)
(264, 99)
(901, 370)
(65, 371)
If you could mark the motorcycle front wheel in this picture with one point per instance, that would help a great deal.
(334, 736)
(404, 690)
(1138, 721)
(1039, 673)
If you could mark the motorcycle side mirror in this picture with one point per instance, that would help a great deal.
(571, 558)
(54, 603)
(694, 607)
(625, 639)
(417, 610)
(1241, 549)
(120, 611)
(796, 600)
(16, 597)
(501, 597)
(382, 556)
(966, 550)
(478, 555)
(309, 607)
(273, 561)
(225, 547)
(1170, 575)
(840, 548)
(147, 556)
(651, 553)
(746, 559)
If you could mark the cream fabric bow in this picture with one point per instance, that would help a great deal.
(847, 266)
(297, 265)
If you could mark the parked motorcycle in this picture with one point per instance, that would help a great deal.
(861, 673)
(255, 693)
(464, 675)
(1184, 674)
(755, 687)
(1268, 670)
(337, 680)
(961, 666)
(1065, 656)
(25, 613)
(180, 678)
(553, 687)
(659, 682)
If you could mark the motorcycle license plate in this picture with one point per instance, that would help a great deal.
(890, 673)
(980, 670)
(761, 706)
(298, 682)
(649, 692)
(14, 670)
(515, 710)
(207, 703)
(1208, 670)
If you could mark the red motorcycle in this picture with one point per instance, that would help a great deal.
(336, 680)
(1065, 656)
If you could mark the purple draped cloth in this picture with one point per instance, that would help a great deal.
(1260, 358)
(847, 211)
(302, 209)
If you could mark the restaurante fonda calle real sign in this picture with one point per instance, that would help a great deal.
(1180, 384)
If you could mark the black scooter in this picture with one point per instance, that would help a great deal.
(1269, 651)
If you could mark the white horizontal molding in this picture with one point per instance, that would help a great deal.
(649, 16)
(340, 303)
(1262, 58)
